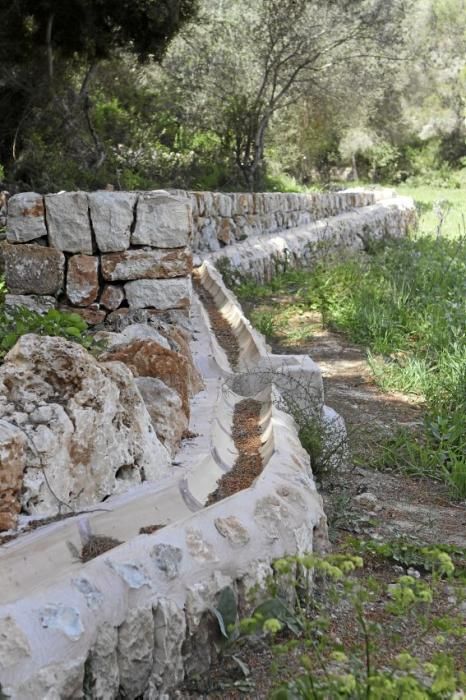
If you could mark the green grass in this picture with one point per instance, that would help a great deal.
(426, 197)
(406, 303)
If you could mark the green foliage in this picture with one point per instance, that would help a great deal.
(361, 662)
(14, 324)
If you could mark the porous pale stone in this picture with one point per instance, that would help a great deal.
(112, 296)
(146, 358)
(147, 264)
(68, 222)
(198, 548)
(33, 269)
(165, 409)
(167, 559)
(12, 454)
(159, 294)
(232, 529)
(86, 424)
(112, 215)
(102, 665)
(162, 221)
(170, 633)
(33, 302)
(135, 651)
(25, 220)
(14, 646)
(82, 279)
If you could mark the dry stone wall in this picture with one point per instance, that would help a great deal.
(98, 252)
(221, 219)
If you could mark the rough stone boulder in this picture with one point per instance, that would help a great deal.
(87, 433)
(165, 409)
(147, 358)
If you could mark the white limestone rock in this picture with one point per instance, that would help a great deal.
(165, 409)
(87, 426)
(159, 294)
(34, 302)
(68, 222)
(14, 646)
(25, 220)
(162, 220)
(135, 651)
(102, 665)
(112, 215)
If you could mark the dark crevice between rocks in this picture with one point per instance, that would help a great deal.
(247, 436)
(219, 324)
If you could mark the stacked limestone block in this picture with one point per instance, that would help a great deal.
(100, 252)
(221, 219)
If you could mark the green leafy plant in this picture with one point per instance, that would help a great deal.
(312, 598)
(14, 324)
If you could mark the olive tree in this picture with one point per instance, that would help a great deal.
(242, 63)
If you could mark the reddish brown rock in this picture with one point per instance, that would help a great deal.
(91, 314)
(147, 264)
(33, 269)
(181, 338)
(146, 358)
(82, 280)
(12, 452)
(112, 297)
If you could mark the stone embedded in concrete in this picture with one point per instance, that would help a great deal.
(146, 358)
(270, 513)
(33, 302)
(92, 594)
(135, 651)
(159, 294)
(82, 279)
(233, 531)
(165, 409)
(133, 575)
(62, 618)
(112, 215)
(68, 222)
(85, 424)
(167, 559)
(25, 220)
(198, 548)
(33, 269)
(162, 221)
(112, 296)
(12, 456)
(147, 264)
(14, 646)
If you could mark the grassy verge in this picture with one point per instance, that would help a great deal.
(405, 303)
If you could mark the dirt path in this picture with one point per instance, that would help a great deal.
(361, 503)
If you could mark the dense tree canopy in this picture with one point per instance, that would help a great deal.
(216, 94)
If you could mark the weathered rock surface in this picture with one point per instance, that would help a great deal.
(33, 302)
(33, 269)
(82, 279)
(88, 432)
(25, 217)
(147, 264)
(93, 314)
(112, 215)
(165, 409)
(162, 221)
(159, 294)
(68, 222)
(146, 358)
(112, 296)
(12, 454)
